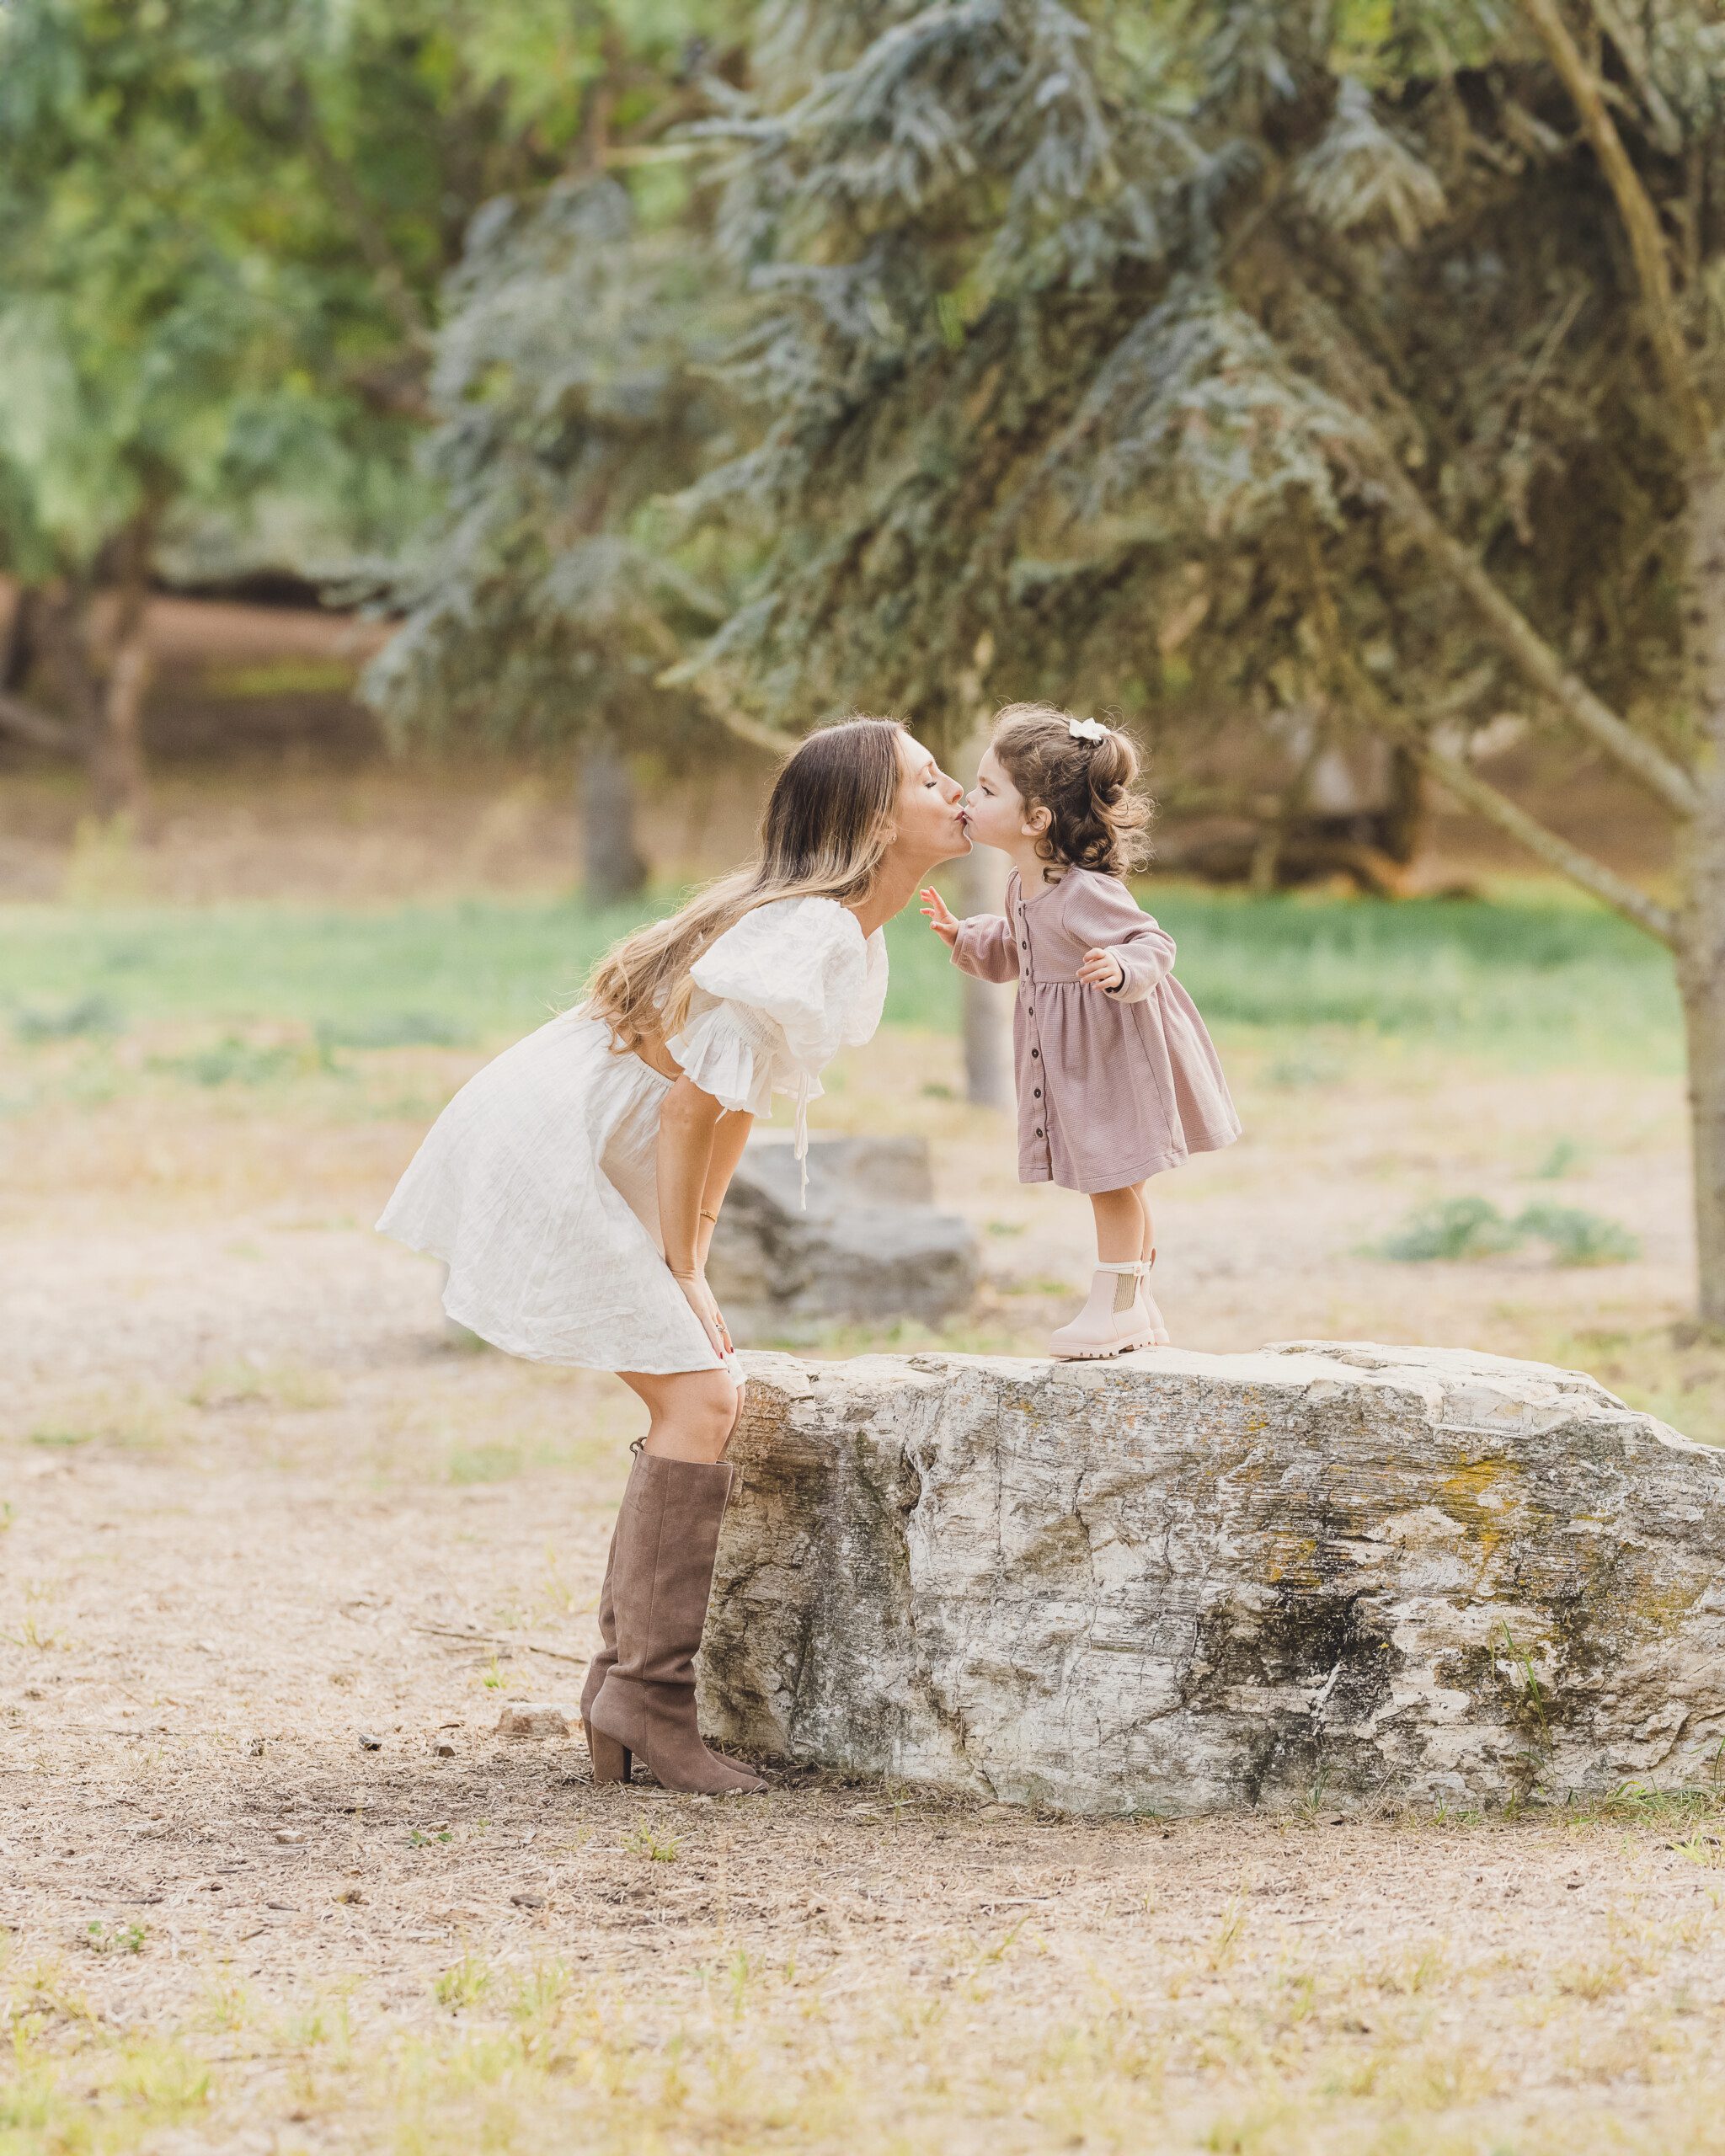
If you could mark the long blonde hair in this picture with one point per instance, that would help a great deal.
(828, 824)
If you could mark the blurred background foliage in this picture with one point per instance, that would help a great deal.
(1328, 390)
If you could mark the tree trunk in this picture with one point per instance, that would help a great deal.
(987, 1005)
(1701, 955)
(116, 762)
(17, 650)
(611, 865)
(1702, 982)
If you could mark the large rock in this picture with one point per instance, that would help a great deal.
(1183, 1583)
(869, 1248)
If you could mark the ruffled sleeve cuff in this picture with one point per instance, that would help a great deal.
(731, 1052)
(803, 964)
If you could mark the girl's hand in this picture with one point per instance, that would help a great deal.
(940, 917)
(1102, 969)
(699, 1297)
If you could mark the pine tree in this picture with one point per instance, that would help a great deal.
(1363, 364)
(574, 385)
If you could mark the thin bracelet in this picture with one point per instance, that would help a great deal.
(703, 1214)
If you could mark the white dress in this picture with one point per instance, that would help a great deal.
(538, 1185)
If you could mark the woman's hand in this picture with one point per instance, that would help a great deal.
(940, 917)
(1102, 969)
(699, 1297)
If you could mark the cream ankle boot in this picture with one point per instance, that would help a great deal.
(1120, 1316)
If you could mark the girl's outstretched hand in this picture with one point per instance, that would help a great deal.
(1102, 969)
(940, 917)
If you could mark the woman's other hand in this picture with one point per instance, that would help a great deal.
(699, 1297)
(940, 917)
(1102, 969)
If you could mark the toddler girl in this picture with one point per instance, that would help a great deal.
(1117, 1077)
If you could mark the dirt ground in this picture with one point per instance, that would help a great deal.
(273, 1553)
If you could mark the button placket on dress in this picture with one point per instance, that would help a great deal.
(1027, 1000)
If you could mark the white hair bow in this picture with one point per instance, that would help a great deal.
(1086, 729)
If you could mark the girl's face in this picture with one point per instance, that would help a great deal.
(929, 817)
(996, 812)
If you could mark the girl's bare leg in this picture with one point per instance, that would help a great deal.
(1122, 1225)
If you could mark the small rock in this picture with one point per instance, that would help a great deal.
(288, 1835)
(525, 1718)
(528, 1901)
(350, 1894)
(443, 1749)
(254, 1750)
(370, 1743)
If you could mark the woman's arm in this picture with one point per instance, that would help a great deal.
(730, 1134)
(687, 1123)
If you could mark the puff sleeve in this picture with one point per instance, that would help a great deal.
(776, 997)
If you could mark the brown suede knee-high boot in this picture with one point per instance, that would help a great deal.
(666, 1542)
(601, 1666)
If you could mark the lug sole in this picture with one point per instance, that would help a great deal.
(1105, 1354)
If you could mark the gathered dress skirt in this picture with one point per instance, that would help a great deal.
(537, 1186)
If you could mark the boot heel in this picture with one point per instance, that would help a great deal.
(611, 1761)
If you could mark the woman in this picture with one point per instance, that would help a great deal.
(572, 1186)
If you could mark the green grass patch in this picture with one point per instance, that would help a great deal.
(1457, 1228)
(1534, 979)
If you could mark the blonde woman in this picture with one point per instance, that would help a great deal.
(573, 1186)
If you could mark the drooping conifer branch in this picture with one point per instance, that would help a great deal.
(1641, 220)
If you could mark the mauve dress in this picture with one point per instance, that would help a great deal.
(1114, 1084)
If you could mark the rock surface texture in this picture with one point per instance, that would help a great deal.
(1185, 1583)
(870, 1247)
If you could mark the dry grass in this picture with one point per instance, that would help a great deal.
(254, 1510)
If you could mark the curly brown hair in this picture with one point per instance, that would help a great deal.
(1095, 818)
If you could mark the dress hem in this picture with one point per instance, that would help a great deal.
(1134, 1171)
(508, 1344)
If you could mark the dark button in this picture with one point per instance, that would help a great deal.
(1036, 1051)
(1038, 1130)
(1039, 1092)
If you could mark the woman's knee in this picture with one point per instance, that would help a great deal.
(708, 1407)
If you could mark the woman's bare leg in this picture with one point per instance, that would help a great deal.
(691, 1413)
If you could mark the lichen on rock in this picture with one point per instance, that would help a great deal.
(1184, 1583)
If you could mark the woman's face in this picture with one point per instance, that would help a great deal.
(929, 819)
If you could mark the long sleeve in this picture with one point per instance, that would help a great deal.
(986, 947)
(1104, 916)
